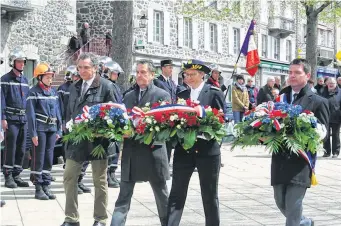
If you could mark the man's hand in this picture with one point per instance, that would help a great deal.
(57, 137)
(35, 141)
(4, 125)
(1, 136)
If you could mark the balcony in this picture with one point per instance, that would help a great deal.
(325, 55)
(12, 10)
(280, 27)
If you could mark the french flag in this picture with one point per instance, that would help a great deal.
(249, 49)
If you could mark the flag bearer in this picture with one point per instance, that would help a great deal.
(44, 123)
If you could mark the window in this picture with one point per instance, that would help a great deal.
(236, 40)
(304, 33)
(213, 38)
(188, 32)
(276, 48)
(28, 72)
(158, 27)
(264, 45)
(329, 39)
(288, 51)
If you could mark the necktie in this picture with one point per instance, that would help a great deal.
(168, 82)
(141, 94)
(295, 97)
(84, 89)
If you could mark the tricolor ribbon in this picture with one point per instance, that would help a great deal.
(277, 124)
(86, 109)
(309, 159)
(171, 108)
(256, 123)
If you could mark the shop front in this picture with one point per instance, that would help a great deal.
(270, 68)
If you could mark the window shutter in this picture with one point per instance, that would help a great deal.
(150, 24)
(195, 34)
(207, 36)
(180, 31)
(242, 34)
(219, 34)
(166, 31)
(282, 49)
(231, 43)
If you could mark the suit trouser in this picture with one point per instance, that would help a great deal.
(113, 161)
(335, 148)
(15, 143)
(208, 169)
(83, 170)
(289, 200)
(42, 158)
(169, 147)
(99, 176)
(123, 202)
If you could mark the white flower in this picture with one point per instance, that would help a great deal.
(148, 120)
(125, 127)
(196, 101)
(182, 122)
(86, 120)
(106, 117)
(147, 104)
(181, 101)
(157, 129)
(321, 131)
(69, 125)
(208, 109)
(109, 121)
(154, 121)
(162, 103)
(151, 129)
(178, 127)
(125, 115)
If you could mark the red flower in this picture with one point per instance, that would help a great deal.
(307, 112)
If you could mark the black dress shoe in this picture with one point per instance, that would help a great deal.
(84, 188)
(70, 224)
(97, 223)
(2, 203)
(325, 155)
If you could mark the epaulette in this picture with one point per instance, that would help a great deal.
(215, 88)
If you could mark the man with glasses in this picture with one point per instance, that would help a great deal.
(91, 89)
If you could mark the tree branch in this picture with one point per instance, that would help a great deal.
(322, 7)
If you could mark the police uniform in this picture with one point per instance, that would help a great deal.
(205, 156)
(44, 122)
(170, 87)
(14, 91)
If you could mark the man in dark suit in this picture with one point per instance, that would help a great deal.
(264, 94)
(142, 162)
(165, 82)
(205, 155)
(290, 173)
(91, 89)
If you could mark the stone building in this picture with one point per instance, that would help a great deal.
(42, 28)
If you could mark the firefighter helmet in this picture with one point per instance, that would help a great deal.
(113, 67)
(16, 54)
(215, 67)
(42, 69)
(71, 71)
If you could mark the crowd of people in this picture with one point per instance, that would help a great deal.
(42, 113)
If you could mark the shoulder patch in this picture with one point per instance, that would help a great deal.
(215, 88)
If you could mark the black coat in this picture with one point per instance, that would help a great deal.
(161, 83)
(334, 100)
(210, 96)
(142, 162)
(100, 91)
(264, 95)
(290, 168)
(319, 89)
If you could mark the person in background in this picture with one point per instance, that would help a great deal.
(45, 127)
(311, 85)
(275, 93)
(85, 36)
(108, 42)
(278, 83)
(215, 78)
(252, 91)
(339, 82)
(264, 94)
(240, 99)
(74, 46)
(332, 92)
(320, 86)
(2, 202)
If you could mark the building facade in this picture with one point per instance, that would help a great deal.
(41, 28)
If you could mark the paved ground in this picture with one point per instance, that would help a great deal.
(245, 196)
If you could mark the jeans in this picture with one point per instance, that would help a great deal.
(238, 116)
(289, 200)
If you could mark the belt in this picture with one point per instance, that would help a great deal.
(46, 119)
(15, 111)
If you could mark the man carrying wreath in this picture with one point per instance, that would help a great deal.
(291, 174)
(205, 154)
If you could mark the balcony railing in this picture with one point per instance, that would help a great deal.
(325, 55)
(281, 27)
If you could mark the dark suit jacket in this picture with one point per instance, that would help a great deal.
(100, 91)
(334, 100)
(142, 162)
(290, 168)
(161, 83)
(264, 95)
(210, 96)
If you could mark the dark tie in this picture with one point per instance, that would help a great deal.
(84, 89)
(169, 83)
(141, 94)
(295, 97)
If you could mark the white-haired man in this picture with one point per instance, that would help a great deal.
(265, 94)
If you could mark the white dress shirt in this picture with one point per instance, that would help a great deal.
(89, 83)
(196, 92)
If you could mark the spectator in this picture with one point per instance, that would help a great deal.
(74, 46)
(252, 91)
(311, 85)
(108, 42)
(320, 86)
(278, 83)
(265, 94)
(85, 35)
(240, 99)
(333, 93)
(275, 93)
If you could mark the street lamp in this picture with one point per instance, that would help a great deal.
(143, 21)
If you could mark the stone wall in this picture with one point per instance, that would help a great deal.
(98, 14)
(42, 33)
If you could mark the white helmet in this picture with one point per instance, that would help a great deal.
(16, 54)
(215, 67)
(113, 67)
(70, 71)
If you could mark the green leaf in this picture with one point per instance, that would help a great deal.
(173, 132)
(148, 139)
(98, 152)
(189, 139)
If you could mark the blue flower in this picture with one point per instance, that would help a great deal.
(266, 120)
(313, 122)
(94, 111)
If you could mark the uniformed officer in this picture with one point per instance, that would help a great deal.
(205, 155)
(102, 60)
(165, 82)
(113, 70)
(44, 125)
(183, 86)
(14, 87)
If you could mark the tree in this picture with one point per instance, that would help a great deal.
(314, 10)
(122, 35)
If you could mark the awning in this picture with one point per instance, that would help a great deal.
(266, 64)
(327, 71)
